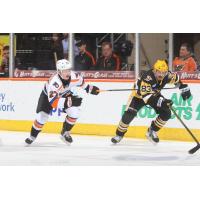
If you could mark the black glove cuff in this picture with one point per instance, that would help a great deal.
(183, 86)
(87, 89)
(95, 90)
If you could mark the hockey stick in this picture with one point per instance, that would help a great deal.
(197, 147)
(55, 57)
(116, 90)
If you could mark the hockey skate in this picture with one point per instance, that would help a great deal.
(66, 137)
(152, 136)
(30, 140)
(116, 139)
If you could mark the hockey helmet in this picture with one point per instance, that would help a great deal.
(63, 65)
(161, 66)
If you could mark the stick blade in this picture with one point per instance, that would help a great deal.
(193, 150)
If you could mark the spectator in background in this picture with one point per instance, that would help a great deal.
(4, 66)
(84, 60)
(185, 62)
(65, 44)
(108, 60)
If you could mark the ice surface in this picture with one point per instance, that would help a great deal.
(48, 149)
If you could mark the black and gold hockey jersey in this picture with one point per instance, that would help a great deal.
(147, 85)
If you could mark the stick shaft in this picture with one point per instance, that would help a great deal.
(188, 130)
(118, 90)
(55, 57)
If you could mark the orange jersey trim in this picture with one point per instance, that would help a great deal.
(55, 103)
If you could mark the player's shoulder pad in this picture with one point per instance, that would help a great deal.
(55, 83)
(147, 76)
(75, 75)
(171, 74)
(77, 78)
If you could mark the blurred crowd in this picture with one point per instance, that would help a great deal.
(86, 58)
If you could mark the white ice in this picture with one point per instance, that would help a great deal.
(48, 150)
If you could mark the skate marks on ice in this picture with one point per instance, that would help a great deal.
(164, 153)
(140, 154)
(48, 149)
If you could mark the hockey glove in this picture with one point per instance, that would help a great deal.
(95, 90)
(92, 89)
(162, 102)
(185, 91)
(72, 101)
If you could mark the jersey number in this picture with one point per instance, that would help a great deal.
(146, 89)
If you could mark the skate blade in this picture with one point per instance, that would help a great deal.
(27, 145)
(150, 139)
(68, 143)
(114, 142)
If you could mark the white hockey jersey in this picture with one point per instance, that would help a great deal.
(55, 89)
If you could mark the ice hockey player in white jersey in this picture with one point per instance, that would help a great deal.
(57, 93)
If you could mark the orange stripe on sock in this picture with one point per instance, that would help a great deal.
(37, 125)
(72, 120)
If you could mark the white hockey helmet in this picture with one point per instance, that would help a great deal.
(63, 65)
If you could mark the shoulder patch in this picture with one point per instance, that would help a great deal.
(56, 85)
(76, 74)
(148, 78)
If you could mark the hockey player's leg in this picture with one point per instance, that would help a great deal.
(133, 106)
(41, 119)
(127, 117)
(130, 113)
(70, 120)
(43, 110)
(152, 135)
(35, 130)
(65, 133)
(157, 124)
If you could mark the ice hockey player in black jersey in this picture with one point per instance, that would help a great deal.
(58, 93)
(148, 93)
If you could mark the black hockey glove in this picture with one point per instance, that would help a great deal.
(92, 89)
(163, 103)
(185, 91)
(95, 90)
(72, 101)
